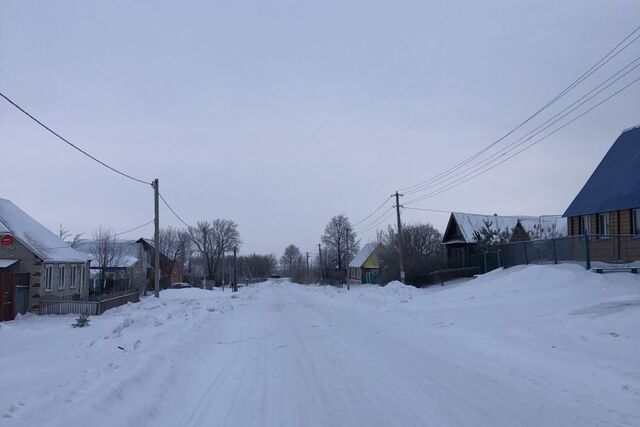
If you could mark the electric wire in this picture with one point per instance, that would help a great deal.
(70, 143)
(372, 213)
(540, 128)
(173, 211)
(459, 182)
(600, 63)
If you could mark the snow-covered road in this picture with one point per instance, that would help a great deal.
(507, 350)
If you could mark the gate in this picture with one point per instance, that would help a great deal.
(7, 295)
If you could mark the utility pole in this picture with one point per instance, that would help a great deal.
(235, 270)
(347, 258)
(307, 279)
(156, 239)
(401, 246)
(320, 261)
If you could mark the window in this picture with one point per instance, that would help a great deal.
(603, 223)
(48, 277)
(61, 276)
(585, 225)
(635, 221)
(74, 276)
(82, 276)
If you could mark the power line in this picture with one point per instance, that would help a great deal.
(373, 221)
(539, 129)
(134, 229)
(378, 223)
(372, 213)
(173, 211)
(70, 143)
(459, 182)
(600, 63)
(427, 210)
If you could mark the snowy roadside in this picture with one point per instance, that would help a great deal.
(560, 326)
(128, 354)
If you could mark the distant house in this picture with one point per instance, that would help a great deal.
(34, 263)
(365, 267)
(609, 203)
(128, 269)
(468, 235)
(171, 271)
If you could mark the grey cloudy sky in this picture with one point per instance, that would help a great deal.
(280, 114)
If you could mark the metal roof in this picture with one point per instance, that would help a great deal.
(545, 226)
(4, 263)
(35, 236)
(615, 184)
(363, 255)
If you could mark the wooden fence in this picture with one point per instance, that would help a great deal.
(93, 307)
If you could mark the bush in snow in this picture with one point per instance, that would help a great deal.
(81, 321)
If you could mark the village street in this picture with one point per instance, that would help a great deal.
(514, 348)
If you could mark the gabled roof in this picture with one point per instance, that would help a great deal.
(129, 252)
(363, 255)
(615, 184)
(36, 237)
(462, 226)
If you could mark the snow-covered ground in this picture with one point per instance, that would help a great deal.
(537, 345)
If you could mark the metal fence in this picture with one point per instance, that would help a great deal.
(588, 251)
(92, 306)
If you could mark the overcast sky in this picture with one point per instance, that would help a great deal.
(281, 114)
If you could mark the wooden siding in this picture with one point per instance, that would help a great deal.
(619, 223)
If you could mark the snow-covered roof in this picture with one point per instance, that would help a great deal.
(36, 237)
(363, 255)
(541, 227)
(130, 252)
(4, 263)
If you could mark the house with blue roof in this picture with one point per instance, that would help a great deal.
(609, 203)
(608, 206)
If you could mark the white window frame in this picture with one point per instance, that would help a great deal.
(585, 224)
(48, 278)
(83, 273)
(603, 224)
(74, 277)
(635, 222)
(61, 276)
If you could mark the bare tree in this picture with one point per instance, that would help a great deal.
(340, 242)
(224, 236)
(64, 234)
(423, 252)
(213, 240)
(174, 247)
(106, 252)
(291, 260)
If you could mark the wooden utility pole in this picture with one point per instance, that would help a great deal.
(156, 239)
(320, 261)
(347, 259)
(307, 279)
(235, 269)
(401, 242)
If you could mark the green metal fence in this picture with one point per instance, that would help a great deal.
(588, 251)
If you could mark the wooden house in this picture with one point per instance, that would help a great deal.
(365, 267)
(608, 206)
(609, 203)
(465, 232)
